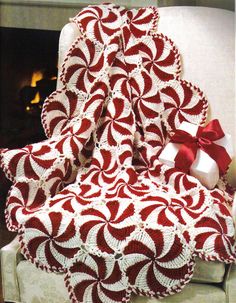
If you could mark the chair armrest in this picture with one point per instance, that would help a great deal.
(229, 283)
(234, 206)
(10, 257)
(69, 33)
(230, 277)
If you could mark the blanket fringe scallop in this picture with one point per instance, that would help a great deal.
(174, 290)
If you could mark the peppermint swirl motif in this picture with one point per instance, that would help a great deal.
(116, 125)
(215, 237)
(59, 109)
(30, 162)
(51, 239)
(157, 261)
(142, 21)
(172, 211)
(182, 102)
(103, 169)
(95, 279)
(107, 226)
(85, 62)
(160, 58)
(99, 22)
(145, 97)
(24, 199)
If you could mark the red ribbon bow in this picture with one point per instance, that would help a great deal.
(203, 140)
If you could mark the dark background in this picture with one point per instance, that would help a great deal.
(22, 52)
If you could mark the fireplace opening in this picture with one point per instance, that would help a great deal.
(28, 76)
(28, 71)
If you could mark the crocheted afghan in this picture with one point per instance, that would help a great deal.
(93, 201)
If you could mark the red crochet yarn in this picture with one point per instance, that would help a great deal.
(92, 200)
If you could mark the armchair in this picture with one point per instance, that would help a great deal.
(206, 44)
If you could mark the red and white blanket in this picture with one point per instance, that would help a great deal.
(93, 201)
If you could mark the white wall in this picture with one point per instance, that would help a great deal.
(225, 4)
(53, 14)
(50, 14)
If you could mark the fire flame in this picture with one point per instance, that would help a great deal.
(37, 75)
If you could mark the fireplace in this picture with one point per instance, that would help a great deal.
(28, 76)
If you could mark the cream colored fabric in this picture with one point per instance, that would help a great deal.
(68, 34)
(192, 293)
(234, 208)
(208, 272)
(230, 284)
(37, 286)
(9, 260)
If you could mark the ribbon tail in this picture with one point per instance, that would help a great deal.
(186, 156)
(220, 155)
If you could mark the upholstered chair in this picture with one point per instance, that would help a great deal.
(205, 39)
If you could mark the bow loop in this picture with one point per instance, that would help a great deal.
(182, 136)
(212, 131)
